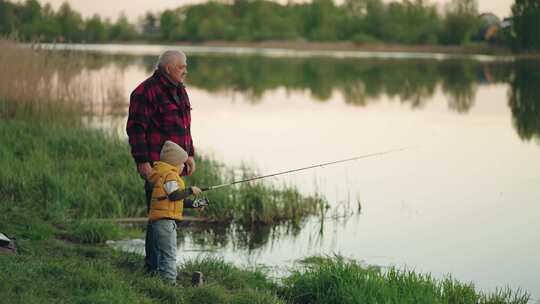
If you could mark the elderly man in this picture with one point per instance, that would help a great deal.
(159, 110)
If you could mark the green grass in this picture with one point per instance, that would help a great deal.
(337, 280)
(81, 173)
(55, 176)
(58, 174)
(93, 231)
(53, 271)
(225, 274)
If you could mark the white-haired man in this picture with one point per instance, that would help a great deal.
(159, 110)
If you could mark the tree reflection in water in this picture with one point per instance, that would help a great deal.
(250, 237)
(524, 99)
(365, 81)
(239, 237)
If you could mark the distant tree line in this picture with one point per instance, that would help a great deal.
(360, 21)
(526, 24)
(30, 21)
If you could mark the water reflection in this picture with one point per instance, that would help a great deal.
(524, 99)
(361, 82)
(239, 237)
(249, 237)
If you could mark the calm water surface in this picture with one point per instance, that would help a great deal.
(465, 201)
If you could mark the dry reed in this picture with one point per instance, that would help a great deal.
(52, 85)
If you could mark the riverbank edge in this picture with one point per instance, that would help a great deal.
(347, 46)
(93, 273)
(351, 46)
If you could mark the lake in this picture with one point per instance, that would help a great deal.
(463, 199)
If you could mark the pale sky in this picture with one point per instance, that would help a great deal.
(135, 8)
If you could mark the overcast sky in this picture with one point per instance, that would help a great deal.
(135, 8)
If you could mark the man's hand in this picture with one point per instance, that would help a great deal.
(196, 190)
(190, 163)
(144, 170)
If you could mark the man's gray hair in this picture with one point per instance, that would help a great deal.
(168, 57)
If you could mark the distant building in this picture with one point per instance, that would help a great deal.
(491, 25)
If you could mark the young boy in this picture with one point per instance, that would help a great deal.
(166, 206)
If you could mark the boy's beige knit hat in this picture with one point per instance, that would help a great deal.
(173, 154)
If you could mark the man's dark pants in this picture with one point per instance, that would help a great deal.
(150, 260)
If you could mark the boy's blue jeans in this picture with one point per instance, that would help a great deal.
(161, 248)
(160, 245)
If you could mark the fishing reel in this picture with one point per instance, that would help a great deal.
(201, 202)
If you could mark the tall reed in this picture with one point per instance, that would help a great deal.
(49, 85)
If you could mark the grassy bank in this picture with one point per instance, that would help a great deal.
(336, 280)
(54, 271)
(61, 174)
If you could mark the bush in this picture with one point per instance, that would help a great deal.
(362, 38)
(94, 231)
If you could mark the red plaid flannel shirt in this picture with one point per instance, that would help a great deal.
(155, 116)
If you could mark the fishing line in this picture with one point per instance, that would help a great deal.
(305, 168)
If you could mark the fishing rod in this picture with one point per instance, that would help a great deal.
(304, 168)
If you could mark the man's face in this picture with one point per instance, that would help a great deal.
(177, 69)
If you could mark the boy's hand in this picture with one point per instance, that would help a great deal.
(196, 190)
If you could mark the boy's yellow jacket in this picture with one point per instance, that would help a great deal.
(160, 206)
